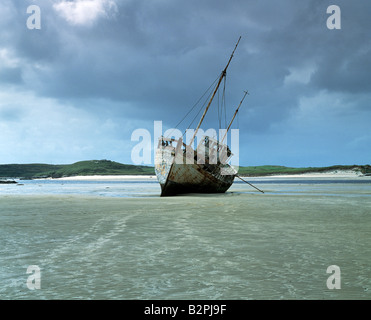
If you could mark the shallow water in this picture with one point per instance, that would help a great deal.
(90, 188)
(125, 242)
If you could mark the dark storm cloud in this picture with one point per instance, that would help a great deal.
(173, 44)
(155, 56)
(344, 55)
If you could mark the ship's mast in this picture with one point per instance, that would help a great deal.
(216, 89)
(221, 142)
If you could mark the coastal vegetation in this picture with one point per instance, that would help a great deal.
(107, 167)
(81, 168)
(277, 170)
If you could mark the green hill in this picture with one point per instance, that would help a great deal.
(26, 170)
(81, 168)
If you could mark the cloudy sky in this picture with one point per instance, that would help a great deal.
(97, 70)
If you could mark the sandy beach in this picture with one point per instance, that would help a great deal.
(332, 174)
(231, 246)
(109, 178)
(328, 175)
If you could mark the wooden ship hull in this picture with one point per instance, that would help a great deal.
(178, 172)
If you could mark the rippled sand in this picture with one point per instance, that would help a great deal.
(231, 246)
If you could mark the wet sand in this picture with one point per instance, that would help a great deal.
(231, 246)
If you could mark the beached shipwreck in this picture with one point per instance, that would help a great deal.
(181, 168)
(178, 171)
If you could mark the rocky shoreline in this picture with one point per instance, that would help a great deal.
(7, 181)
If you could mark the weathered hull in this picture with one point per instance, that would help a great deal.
(176, 177)
(193, 178)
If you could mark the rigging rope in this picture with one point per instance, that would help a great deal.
(201, 108)
(198, 101)
(219, 109)
(224, 103)
(238, 120)
(249, 183)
